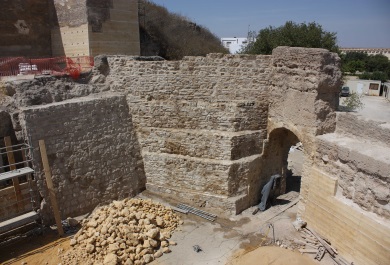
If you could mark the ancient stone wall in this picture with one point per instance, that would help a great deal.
(218, 100)
(92, 149)
(25, 28)
(214, 129)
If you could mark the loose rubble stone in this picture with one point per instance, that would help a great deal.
(131, 231)
(72, 222)
(110, 259)
(73, 242)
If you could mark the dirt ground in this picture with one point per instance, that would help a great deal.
(271, 255)
(42, 249)
(231, 239)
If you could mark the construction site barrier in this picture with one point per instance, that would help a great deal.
(73, 66)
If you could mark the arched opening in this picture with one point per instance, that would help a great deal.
(281, 168)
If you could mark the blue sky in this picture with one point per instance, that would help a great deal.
(358, 23)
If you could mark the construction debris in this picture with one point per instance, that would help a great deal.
(197, 248)
(313, 243)
(132, 231)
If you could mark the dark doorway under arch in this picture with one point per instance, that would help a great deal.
(279, 157)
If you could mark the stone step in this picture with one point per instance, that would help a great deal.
(357, 126)
(211, 176)
(362, 169)
(357, 150)
(201, 143)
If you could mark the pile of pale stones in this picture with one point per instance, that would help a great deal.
(132, 231)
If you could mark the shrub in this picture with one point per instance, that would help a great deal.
(353, 102)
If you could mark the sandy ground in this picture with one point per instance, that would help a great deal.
(231, 239)
(375, 108)
(43, 249)
(234, 240)
(271, 255)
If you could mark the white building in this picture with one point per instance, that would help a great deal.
(369, 51)
(360, 86)
(234, 44)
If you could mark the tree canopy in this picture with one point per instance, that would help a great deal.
(310, 35)
(374, 67)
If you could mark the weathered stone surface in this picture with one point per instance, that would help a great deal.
(111, 259)
(89, 155)
(211, 129)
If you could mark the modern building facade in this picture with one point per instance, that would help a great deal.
(234, 44)
(369, 51)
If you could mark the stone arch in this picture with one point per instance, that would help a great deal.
(274, 160)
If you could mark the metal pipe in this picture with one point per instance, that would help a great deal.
(16, 164)
(1, 148)
(15, 150)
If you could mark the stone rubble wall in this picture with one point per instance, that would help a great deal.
(213, 130)
(92, 149)
(200, 121)
(363, 172)
(358, 127)
(303, 98)
(304, 86)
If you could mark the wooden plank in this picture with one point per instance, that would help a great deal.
(8, 190)
(50, 186)
(303, 250)
(15, 180)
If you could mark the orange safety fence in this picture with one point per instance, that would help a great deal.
(73, 66)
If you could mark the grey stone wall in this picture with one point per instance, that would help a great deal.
(92, 149)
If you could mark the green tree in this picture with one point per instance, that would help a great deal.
(377, 75)
(309, 35)
(374, 67)
(377, 62)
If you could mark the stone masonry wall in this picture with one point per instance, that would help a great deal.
(303, 98)
(201, 121)
(92, 149)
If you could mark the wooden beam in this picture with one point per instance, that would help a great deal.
(50, 186)
(15, 181)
